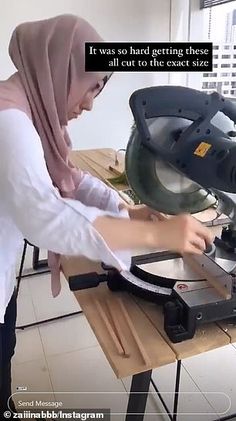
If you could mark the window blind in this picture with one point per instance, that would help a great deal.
(211, 3)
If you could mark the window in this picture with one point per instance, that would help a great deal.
(219, 27)
(211, 74)
(210, 3)
(209, 85)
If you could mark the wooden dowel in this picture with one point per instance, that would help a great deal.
(114, 313)
(109, 328)
(139, 344)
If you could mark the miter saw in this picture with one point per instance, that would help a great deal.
(181, 158)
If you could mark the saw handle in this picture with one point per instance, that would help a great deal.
(177, 101)
(210, 249)
(86, 280)
(229, 109)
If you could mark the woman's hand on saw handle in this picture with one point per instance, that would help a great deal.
(182, 234)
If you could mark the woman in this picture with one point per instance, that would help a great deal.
(43, 198)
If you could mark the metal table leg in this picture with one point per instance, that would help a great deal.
(138, 396)
(37, 263)
(172, 415)
(176, 398)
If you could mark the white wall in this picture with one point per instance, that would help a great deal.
(196, 34)
(124, 20)
(179, 32)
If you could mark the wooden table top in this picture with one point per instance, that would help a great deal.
(99, 163)
(138, 324)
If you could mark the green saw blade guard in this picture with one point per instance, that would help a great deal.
(155, 182)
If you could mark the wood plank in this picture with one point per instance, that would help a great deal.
(107, 158)
(99, 172)
(116, 325)
(157, 350)
(102, 157)
(207, 337)
(78, 162)
(97, 165)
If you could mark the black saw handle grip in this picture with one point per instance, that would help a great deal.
(86, 280)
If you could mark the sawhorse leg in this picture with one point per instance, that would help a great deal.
(138, 396)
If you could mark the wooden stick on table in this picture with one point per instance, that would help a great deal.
(103, 315)
(114, 312)
(139, 344)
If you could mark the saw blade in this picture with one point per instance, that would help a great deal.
(175, 269)
(157, 183)
(172, 180)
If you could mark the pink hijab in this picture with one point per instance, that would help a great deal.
(49, 56)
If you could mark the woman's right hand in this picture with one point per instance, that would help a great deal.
(182, 234)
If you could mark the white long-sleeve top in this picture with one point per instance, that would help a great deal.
(31, 208)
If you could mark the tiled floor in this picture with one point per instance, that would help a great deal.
(62, 360)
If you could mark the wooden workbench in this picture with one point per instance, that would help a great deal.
(151, 347)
